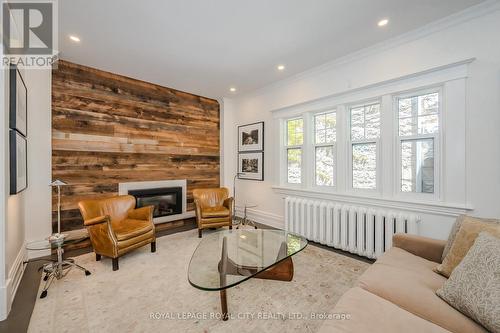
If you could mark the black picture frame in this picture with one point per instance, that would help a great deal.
(259, 145)
(18, 102)
(18, 150)
(248, 175)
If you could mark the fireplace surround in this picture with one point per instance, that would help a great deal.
(168, 197)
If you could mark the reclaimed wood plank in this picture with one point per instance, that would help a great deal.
(109, 129)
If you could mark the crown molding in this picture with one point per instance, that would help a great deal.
(466, 15)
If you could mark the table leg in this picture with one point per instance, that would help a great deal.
(223, 272)
(223, 304)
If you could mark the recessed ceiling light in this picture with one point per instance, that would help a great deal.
(383, 22)
(74, 38)
(281, 67)
(232, 89)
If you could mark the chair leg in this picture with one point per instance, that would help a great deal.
(97, 257)
(153, 246)
(115, 264)
(230, 227)
(199, 233)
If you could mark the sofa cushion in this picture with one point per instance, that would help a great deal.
(217, 211)
(474, 286)
(456, 228)
(130, 228)
(409, 282)
(464, 239)
(366, 312)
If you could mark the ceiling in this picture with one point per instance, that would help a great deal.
(207, 46)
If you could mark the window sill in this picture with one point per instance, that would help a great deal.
(430, 207)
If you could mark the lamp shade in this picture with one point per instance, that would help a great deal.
(58, 182)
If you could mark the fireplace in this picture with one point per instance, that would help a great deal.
(168, 196)
(166, 200)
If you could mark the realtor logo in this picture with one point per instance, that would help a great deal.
(29, 33)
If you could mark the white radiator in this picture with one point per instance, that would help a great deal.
(360, 230)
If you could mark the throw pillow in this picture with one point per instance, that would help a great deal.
(464, 239)
(456, 227)
(474, 286)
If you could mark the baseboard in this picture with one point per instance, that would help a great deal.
(259, 216)
(16, 272)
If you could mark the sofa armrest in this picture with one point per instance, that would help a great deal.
(427, 248)
(143, 213)
(96, 220)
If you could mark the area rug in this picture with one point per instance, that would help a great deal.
(150, 293)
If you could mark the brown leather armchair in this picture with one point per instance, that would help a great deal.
(116, 228)
(214, 208)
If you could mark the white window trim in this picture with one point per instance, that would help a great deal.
(378, 184)
(316, 145)
(452, 196)
(437, 137)
(285, 149)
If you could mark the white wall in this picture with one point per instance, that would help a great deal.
(26, 216)
(38, 195)
(472, 34)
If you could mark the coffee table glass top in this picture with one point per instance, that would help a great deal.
(248, 251)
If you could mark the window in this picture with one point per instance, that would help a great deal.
(365, 132)
(294, 142)
(325, 136)
(418, 127)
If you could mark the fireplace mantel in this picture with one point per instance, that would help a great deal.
(124, 188)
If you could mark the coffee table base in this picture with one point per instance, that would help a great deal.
(282, 271)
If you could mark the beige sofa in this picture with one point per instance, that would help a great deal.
(398, 294)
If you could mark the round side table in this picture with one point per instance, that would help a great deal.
(57, 268)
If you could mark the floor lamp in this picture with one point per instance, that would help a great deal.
(58, 237)
(244, 221)
(234, 194)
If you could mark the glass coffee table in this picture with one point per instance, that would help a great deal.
(226, 258)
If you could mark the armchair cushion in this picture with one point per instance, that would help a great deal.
(130, 228)
(217, 211)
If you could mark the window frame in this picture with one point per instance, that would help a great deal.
(287, 147)
(350, 143)
(437, 139)
(315, 145)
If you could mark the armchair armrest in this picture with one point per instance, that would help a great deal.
(427, 248)
(228, 203)
(197, 207)
(96, 220)
(143, 213)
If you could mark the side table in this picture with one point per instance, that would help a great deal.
(59, 267)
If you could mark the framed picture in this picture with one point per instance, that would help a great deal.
(18, 162)
(251, 137)
(18, 104)
(251, 166)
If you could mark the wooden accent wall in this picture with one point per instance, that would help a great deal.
(107, 129)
